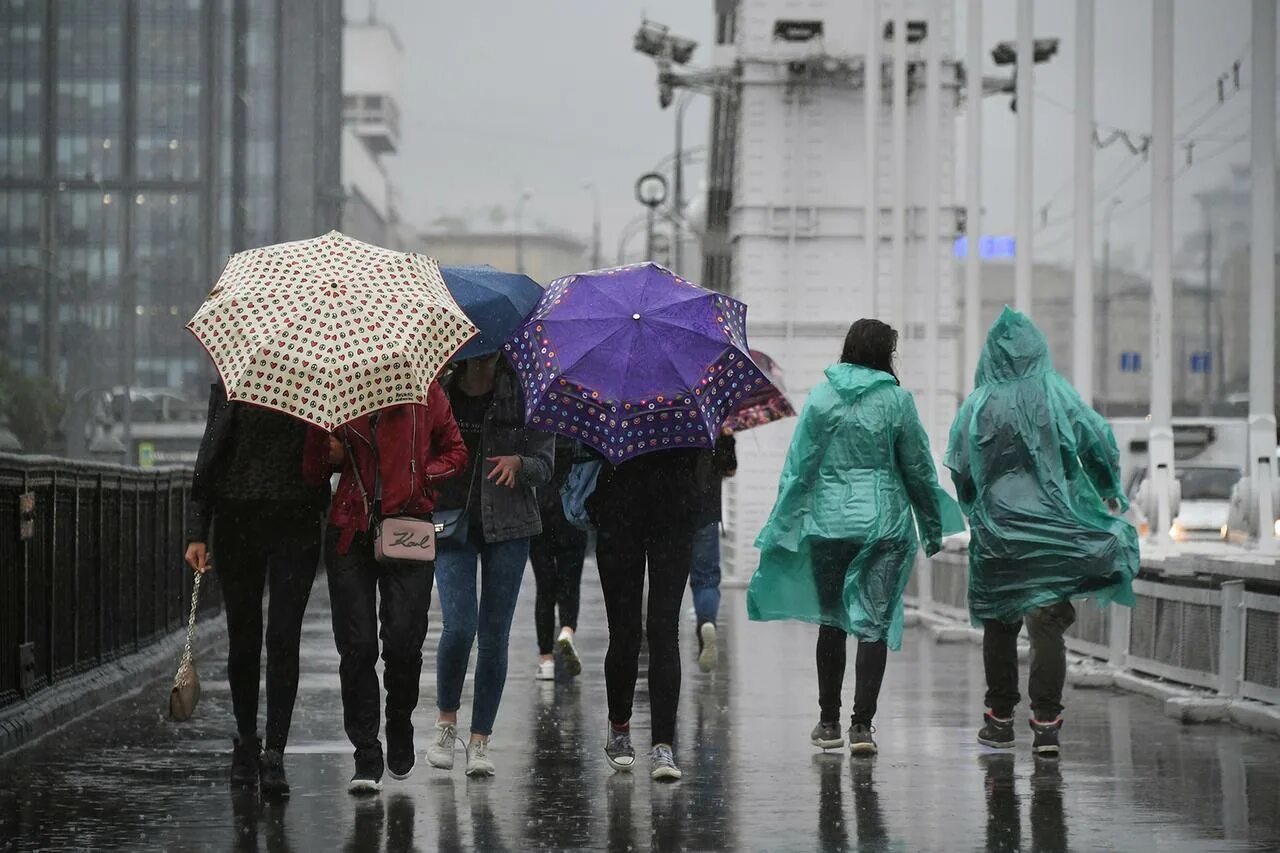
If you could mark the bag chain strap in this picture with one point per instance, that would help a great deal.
(191, 620)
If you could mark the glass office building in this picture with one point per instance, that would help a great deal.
(142, 141)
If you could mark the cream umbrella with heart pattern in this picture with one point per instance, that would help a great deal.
(330, 328)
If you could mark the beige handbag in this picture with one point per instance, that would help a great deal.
(186, 683)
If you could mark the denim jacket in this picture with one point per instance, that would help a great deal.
(505, 513)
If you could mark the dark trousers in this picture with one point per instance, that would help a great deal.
(831, 561)
(557, 556)
(622, 552)
(356, 582)
(256, 548)
(1045, 627)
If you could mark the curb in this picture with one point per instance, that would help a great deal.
(1188, 705)
(29, 720)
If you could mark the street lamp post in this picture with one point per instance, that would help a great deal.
(519, 224)
(1105, 326)
(651, 191)
(677, 194)
(595, 225)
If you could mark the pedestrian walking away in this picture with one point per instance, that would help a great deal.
(645, 511)
(704, 570)
(248, 492)
(1034, 469)
(557, 554)
(497, 513)
(391, 462)
(838, 548)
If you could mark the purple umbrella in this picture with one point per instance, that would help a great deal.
(633, 359)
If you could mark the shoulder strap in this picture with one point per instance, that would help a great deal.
(355, 469)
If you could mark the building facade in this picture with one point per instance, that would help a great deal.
(543, 256)
(370, 131)
(142, 142)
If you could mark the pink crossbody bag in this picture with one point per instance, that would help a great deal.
(398, 538)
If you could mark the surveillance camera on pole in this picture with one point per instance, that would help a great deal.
(1006, 53)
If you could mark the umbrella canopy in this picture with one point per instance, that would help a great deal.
(767, 405)
(632, 360)
(496, 301)
(330, 328)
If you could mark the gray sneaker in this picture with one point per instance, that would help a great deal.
(860, 740)
(440, 753)
(478, 762)
(826, 736)
(618, 750)
(662, 764)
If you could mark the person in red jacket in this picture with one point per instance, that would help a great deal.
(391, 462)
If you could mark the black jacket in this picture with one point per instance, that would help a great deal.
(217, 427)
(660, 488)
(214, 458)
(723, 463)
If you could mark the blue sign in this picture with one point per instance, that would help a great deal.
(1130, 362)
(989, 248)
(1201, 362)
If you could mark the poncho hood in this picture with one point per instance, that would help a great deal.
(851, 381)
(1015, 349)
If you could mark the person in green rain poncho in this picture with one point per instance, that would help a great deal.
(838, 548)
(1034, 467)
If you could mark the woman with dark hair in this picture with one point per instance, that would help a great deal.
(479, 566)
(250, 502)
(838, 548)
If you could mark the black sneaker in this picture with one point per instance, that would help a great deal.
(1046, 738)
(401, 756)
(368, 776)
(860, 740)
(245, 760)
(996, 733)
(826, 736)
(272, 780)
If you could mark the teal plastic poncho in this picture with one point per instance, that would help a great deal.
(840, 543)
(1032, 465)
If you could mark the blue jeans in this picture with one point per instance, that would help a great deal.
(704, 572)
(487, 624)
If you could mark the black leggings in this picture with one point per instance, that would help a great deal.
(621, 552)
(831, 561)
(557, 555)
(256, 547)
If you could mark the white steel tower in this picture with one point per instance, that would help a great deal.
(803, 222)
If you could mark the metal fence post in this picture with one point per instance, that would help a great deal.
(1231, 639)
(924, 584)
(1121, 618)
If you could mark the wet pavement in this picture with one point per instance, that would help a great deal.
(1130, 778)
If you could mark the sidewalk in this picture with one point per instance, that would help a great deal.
(125, 778)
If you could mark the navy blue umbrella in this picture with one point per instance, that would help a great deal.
(497, 303)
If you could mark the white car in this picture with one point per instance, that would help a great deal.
(1206, 500)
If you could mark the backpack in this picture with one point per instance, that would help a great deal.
(577, 487)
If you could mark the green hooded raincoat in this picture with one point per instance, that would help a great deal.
(1032, 465)
(838, 548)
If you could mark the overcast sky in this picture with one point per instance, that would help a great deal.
(505, 96)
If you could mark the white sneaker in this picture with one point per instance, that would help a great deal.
(662, 764)
(440, 753)
(546, 671)
(478, 762)
(708, 654)
(569, 652)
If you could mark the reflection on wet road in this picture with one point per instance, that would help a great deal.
(1130, 779)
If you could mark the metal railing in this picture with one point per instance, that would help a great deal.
(90, 566)
(1204, 632)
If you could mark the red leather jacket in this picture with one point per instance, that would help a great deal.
(417, 447)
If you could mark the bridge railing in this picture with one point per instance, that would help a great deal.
(90, 566)
(1209, 631)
